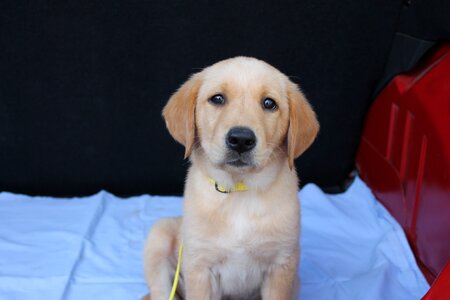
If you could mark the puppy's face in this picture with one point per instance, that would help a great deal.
(241, 112)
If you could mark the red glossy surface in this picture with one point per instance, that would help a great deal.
(440, 289)
(404, 156)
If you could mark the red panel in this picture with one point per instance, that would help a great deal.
(404, 157)
(441, 287)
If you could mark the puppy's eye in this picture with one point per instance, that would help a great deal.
(217, 99)
(269, 104)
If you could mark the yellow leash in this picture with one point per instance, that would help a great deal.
(177, 274)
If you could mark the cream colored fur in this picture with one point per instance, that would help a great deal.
(240, 245)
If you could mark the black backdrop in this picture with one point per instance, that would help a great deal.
(82, 84)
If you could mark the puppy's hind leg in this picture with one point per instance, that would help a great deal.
(160, 257)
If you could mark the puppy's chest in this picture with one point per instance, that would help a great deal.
(248, 239)
(239, 272)
(247, 252)
(244, 235)
(241, 226)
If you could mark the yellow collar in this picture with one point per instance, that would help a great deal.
(238, 187)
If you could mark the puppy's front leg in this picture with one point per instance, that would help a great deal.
(200, 283)
(281, 282)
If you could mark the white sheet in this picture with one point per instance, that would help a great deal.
(91, 248)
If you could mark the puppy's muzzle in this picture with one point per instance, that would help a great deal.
(240, 139)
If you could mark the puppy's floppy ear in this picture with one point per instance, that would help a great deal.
(179, 113)
(303, 124)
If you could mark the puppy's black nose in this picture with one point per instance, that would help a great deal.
(241, 139)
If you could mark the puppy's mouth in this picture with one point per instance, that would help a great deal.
(238, 163)
(237, 160)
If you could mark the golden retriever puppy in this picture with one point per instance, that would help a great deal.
(242, 123)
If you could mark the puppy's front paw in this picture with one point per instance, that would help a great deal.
(146, 297)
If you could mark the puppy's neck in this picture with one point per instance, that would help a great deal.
(256, 179)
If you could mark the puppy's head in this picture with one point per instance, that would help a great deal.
(241, 113)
